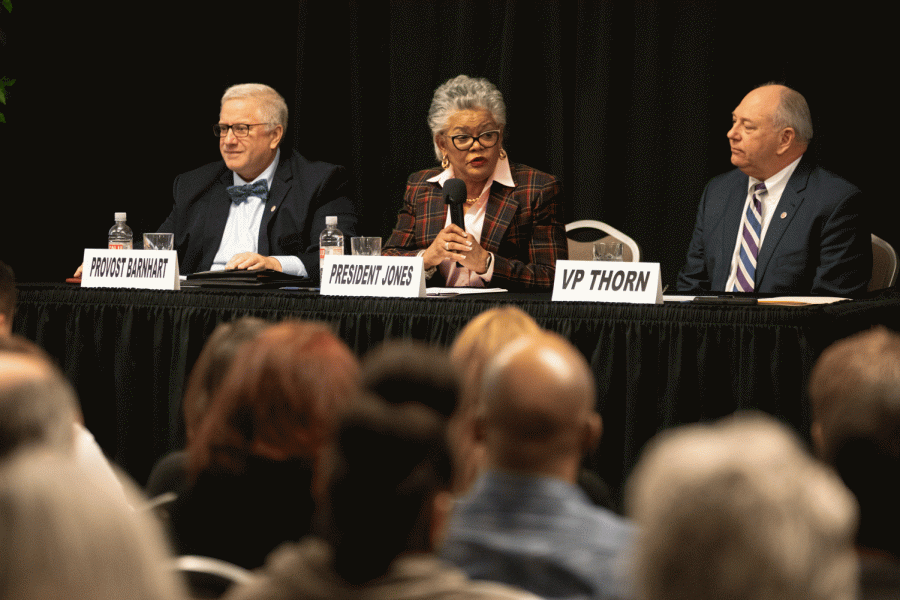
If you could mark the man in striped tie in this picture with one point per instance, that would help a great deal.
(778, 223)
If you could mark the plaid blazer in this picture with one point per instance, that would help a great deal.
(522, 227)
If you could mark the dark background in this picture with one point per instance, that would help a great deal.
(628, 102)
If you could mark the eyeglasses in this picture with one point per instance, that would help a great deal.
(239, 129)
(485, 138)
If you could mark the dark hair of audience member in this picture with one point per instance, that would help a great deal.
(212, 365)
(412, 371)
(281, 399)
(7, 293)
(389, 463)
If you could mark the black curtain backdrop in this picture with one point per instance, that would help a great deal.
(628, 102)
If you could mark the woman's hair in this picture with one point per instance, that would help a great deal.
(62, 535)
(462, 93)
(282, 398)
(271, 104)
(389, 463)
(212, 365)
(479, 341)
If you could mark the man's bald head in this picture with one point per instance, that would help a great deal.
(37, 404)
(538, 413)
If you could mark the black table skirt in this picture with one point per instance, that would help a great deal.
(129, 352)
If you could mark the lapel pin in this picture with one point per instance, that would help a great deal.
(783, 215)
(273, 210)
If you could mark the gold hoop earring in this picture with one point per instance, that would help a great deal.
(445, 163)
(502, 154)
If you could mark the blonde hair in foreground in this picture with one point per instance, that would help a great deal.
(62, 536)
(738, 509)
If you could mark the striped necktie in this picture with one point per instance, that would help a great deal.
(750, 236)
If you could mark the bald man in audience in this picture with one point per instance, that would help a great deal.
(855, 394)
(525, 521)
(40, 409)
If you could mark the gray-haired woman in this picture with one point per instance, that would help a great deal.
(513, 232)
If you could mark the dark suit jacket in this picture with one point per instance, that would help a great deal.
(522, 227)
(818, 242)
(302, 194)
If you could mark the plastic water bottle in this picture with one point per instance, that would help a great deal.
(331, 241)
(120, 236)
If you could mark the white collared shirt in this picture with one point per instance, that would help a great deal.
(775, 186)
(242, 228)
(457, 276)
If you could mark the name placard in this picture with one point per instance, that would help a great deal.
(382, 276)
(607, 281)
(138, 269)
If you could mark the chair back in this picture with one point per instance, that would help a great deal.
(884, 265)
(584, 250)
(208, 577)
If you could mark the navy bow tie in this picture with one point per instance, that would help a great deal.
(239, 193)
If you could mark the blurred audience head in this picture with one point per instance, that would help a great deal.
(854, 389)
(537, 412)
(480, 340)
(64, 536)
(737, 509)
(38, 406)
(212, 365)
(7, 298)
(403, 371)
(388, 480)
(281, 399)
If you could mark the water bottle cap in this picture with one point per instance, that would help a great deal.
(121, 216)
(331, 220)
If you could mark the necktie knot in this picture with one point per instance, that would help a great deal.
(759, 188)
(239, 193)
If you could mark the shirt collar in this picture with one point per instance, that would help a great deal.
(502, 175)
(268, 174)
(776, 182)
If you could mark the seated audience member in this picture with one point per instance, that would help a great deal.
(525, 521)
(513, 232)
(259, 207)
(737, 510)
(855, 394)
(778, 223)
(251, 462)
(65, 536)
(169, 473)
(7, 299)
(386, 500)
(39, 408)
(476, 344)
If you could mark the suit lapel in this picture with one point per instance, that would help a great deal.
(788, 204)
(731, 228)
(281, 185)
(499, 214)
(217, 216)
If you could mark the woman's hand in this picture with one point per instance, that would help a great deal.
(452, 243)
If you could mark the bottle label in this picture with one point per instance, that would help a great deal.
(120, 246)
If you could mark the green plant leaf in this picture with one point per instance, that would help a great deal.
(8, 5)
(2, 118)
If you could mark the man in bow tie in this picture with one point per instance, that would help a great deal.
(262, 207)
(778, 223)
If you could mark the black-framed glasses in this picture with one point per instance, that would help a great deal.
(485, 138)
(239, 129)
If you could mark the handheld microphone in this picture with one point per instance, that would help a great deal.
(455, 195)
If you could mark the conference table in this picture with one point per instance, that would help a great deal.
(128, 353)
